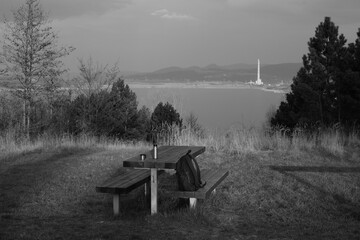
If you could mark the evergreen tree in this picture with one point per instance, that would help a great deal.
(165, 123)
(317, 92)
(165, 115)
(121, 111)
(350, 90)
(355, 52)
(144, 124)
(110, 113)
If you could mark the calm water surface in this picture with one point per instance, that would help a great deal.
(215, 108)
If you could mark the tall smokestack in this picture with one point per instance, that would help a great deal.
(258, 81)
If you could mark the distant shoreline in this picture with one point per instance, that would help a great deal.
(278, 88)
(209, 85)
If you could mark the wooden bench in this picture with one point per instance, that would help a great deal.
(125, 183)
(212, 177)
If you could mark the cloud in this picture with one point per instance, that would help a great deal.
(68, 8)
(342, 12)
(166, 14)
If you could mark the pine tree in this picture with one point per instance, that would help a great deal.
(165, 123)
(165, 114)
(315, 97)
(350, 89)
(355, 51)
(121, 111)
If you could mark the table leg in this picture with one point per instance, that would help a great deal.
(116, 204)
(154, 191)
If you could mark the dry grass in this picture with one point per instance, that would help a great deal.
(10, 144)
(252, 140)
(303, 188)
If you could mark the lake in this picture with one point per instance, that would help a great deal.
(215, 108)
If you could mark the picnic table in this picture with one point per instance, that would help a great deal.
(167, 158)
(138, 172)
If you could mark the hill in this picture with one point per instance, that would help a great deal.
(270, 74)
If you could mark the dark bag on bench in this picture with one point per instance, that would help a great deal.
(188, 173)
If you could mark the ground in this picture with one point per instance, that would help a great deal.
(49, 193)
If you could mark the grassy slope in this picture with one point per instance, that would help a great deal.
(49, 192)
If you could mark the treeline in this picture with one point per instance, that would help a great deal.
(110, 113)
(96, 102)
(326, 90)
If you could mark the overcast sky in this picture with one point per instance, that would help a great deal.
(145, 35)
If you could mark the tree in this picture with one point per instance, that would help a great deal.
(94, 77)
(10, 114)
(354, 49)
(110, 113)
(192, 124)
(90, 108)
(315, 96)
(144, 124)
(121, 111)
(165, 114)
(165, 121)
(350, 90)
(31, 54)
(87, 114)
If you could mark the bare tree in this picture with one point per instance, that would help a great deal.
(31, 54)
(94, 77)
(192, 124)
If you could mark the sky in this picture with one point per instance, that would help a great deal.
(146, 35)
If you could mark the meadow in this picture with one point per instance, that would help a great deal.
(303, 187)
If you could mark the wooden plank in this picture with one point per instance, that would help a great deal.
(167, 157)
(126, 179)
(125, 182)
(133, 179)
(216, 180)
(121, 183)
(212, 177)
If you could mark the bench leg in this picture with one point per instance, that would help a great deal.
(147, 194)
(147, 190)
(193, 203)
(154, 188)
(116, 204)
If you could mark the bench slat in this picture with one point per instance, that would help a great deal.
(212, 177)
(122, 179)
(215, 180)
(125, 182)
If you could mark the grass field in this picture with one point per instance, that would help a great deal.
(277, 189)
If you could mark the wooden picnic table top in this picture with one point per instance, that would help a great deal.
(168, 156)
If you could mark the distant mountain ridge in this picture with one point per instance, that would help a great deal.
(270, 74)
